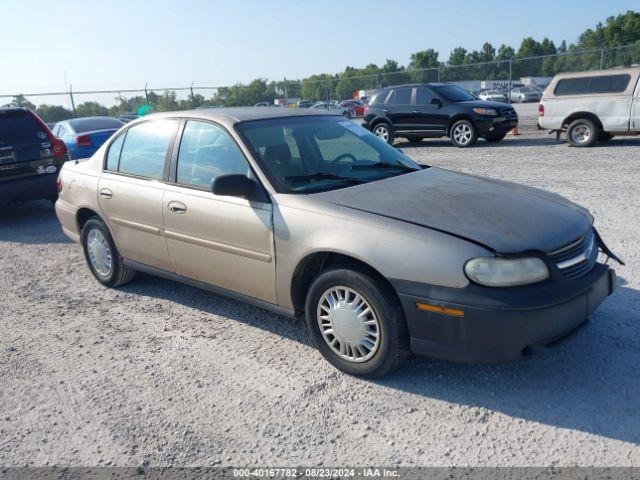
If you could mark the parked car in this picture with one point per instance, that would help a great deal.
(523, 95)
(434, 110)
(304, 104)
(355, 105)
(334, 108)
(592, 106)
(263, 104)
(83, 136)
(301, 212)
(492, 96)
(127, 116)
(30, 157)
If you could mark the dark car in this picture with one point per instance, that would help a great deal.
(434, 110)
(30, 157)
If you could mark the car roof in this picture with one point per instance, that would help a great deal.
(233, 115)
(433, 84)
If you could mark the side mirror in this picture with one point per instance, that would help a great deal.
(233, 185)
(436, 101)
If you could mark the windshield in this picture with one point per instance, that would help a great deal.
(311, 154)
(454, 94)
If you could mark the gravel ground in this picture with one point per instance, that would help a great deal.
(157, 373)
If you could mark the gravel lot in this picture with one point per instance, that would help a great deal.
(164, 374)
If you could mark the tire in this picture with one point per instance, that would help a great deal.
(117, 274)
(463, 134)
(582, 133)
(495, 137)
(346, 114)
(370, 359)
(383, 132)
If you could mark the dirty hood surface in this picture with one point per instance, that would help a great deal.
(502, 216)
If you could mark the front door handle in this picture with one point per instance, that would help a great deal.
(416, 111)
(177, 207)
(386, 110)
(106, 193)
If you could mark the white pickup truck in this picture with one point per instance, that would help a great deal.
(592, 106)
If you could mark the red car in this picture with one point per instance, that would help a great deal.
(354, 105)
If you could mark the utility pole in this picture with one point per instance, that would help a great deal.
(601, 58)
(73, 104)
(510, 78)
(286, 96)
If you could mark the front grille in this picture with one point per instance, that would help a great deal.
(509, 113)
(577, 258)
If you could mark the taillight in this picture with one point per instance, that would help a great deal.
(59, 147)
(540, 110)
(83, 141)
(58, 185)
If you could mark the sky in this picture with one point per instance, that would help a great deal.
(119, 44)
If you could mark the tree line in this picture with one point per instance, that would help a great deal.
(595, 48)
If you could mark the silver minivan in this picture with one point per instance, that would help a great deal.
(592, 106)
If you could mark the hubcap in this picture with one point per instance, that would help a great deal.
(99, 252)
(348, 324)
(462, 133)
(580, 134)
(382, 132)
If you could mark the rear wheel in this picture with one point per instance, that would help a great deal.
(383, 132)
(582, 133)
(357, 323)
(102, 256)
(463, 134)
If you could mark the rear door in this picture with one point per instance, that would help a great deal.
(398, 109)
(25, 146)
(131, 189)
(430, 118)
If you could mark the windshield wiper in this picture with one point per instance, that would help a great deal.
(386, 165)
(324, 176)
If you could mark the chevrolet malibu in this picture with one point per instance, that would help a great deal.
(305, 213)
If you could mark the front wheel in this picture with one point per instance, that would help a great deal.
(383, 132)
(102, 256)
(463, 134)
(357, 323)
(582, 133)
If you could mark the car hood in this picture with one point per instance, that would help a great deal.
(501, 216)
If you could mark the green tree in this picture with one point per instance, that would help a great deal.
(425, 59)
(21, 101)
(91, 109)
(53, 113)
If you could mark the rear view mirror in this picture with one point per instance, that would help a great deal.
(233, 185)
(435, 101)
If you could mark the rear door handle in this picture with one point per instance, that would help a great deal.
(106, 193)
(177, 207)
(416, 111)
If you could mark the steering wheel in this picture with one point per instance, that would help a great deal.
(345, 155)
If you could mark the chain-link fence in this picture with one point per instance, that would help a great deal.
(502, 72)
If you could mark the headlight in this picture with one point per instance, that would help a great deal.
(506, 272)
(486, 111)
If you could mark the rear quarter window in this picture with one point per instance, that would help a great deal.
(593, 84)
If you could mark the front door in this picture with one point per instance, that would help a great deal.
(131, 190)
(430, 118)
(224, 241)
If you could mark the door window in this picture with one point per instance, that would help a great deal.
(206, 152)
(424, 96)
(400, 96)
(113, 155)
(145, 148)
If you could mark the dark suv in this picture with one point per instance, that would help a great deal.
(30, 157)
(432, 110)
